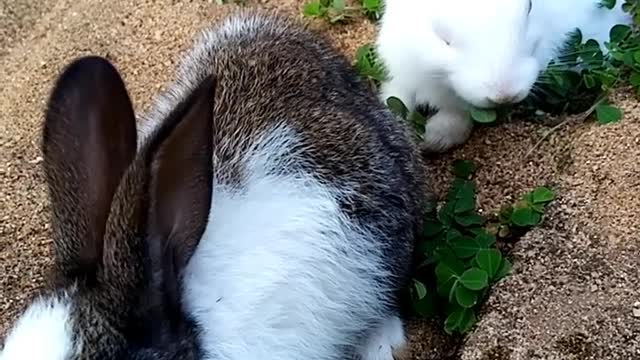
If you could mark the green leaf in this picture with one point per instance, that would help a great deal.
(609, 4)
(447, 288)
(483, 115)
(427, 248)
(608, 78)
(444, 254)
(447, 270)
(418, 121)
(456, 185)
(592, 53)
(465, 198)
(371, 8)
(470, 219)
(505, 269)
(445, 213)
(463, 168)
(539, 208)
(608, 114)
(525, 217)
(589, 81)
(575, 38)
(368, 65)
(313, 9)
(634, 79)
(397, 106)
(474, 279)
(466, 247)
(619, 32)
(421, 290)
(489, 260)
(465, 205)
(465, 297)
(485, 239)
(636, 56)
(431, 228)
(453, 235)
(447, 277)
(338, 5)
(465, 189)
(425, 307)
(468, 321)
(477, 231)
(460, 320)
(542, 195)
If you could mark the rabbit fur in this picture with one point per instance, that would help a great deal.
(453, 55)
(266, 208)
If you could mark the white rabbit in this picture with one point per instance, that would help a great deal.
(452, 54)
(269, 213)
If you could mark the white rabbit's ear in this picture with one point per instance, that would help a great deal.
(88, 141)
(181, 182)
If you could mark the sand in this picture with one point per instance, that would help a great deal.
(575, 279)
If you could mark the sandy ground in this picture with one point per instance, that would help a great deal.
(576, 278)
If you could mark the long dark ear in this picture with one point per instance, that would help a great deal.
(89, 140)
(181, 181)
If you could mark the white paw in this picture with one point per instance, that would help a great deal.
(447, 129)
(385, 341)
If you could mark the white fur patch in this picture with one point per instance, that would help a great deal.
(280, 272)
(385, 341)
(447, 128)
(43, 332)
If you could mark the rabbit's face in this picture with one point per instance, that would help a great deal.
(125, 223)
(488, 58)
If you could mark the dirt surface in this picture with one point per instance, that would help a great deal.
(575, 280)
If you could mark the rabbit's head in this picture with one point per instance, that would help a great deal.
(125, 223)
(483, 50)
(489, 58)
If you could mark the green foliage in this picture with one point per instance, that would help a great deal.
(484, 115)
(416, 119)
(333, 11)
(606, 113)
(526, 213)
(584, 76)
(458, 256)
(372, 9)
(609, 4)
(369, 66)
(459, 260)
(337, 11)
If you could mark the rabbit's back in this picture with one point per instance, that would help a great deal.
(318, 193)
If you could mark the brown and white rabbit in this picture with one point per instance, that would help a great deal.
(268, 211)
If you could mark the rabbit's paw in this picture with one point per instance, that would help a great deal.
(446, 129)
(386, 342)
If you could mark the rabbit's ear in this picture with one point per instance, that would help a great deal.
(181, 181)
(89, 140)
